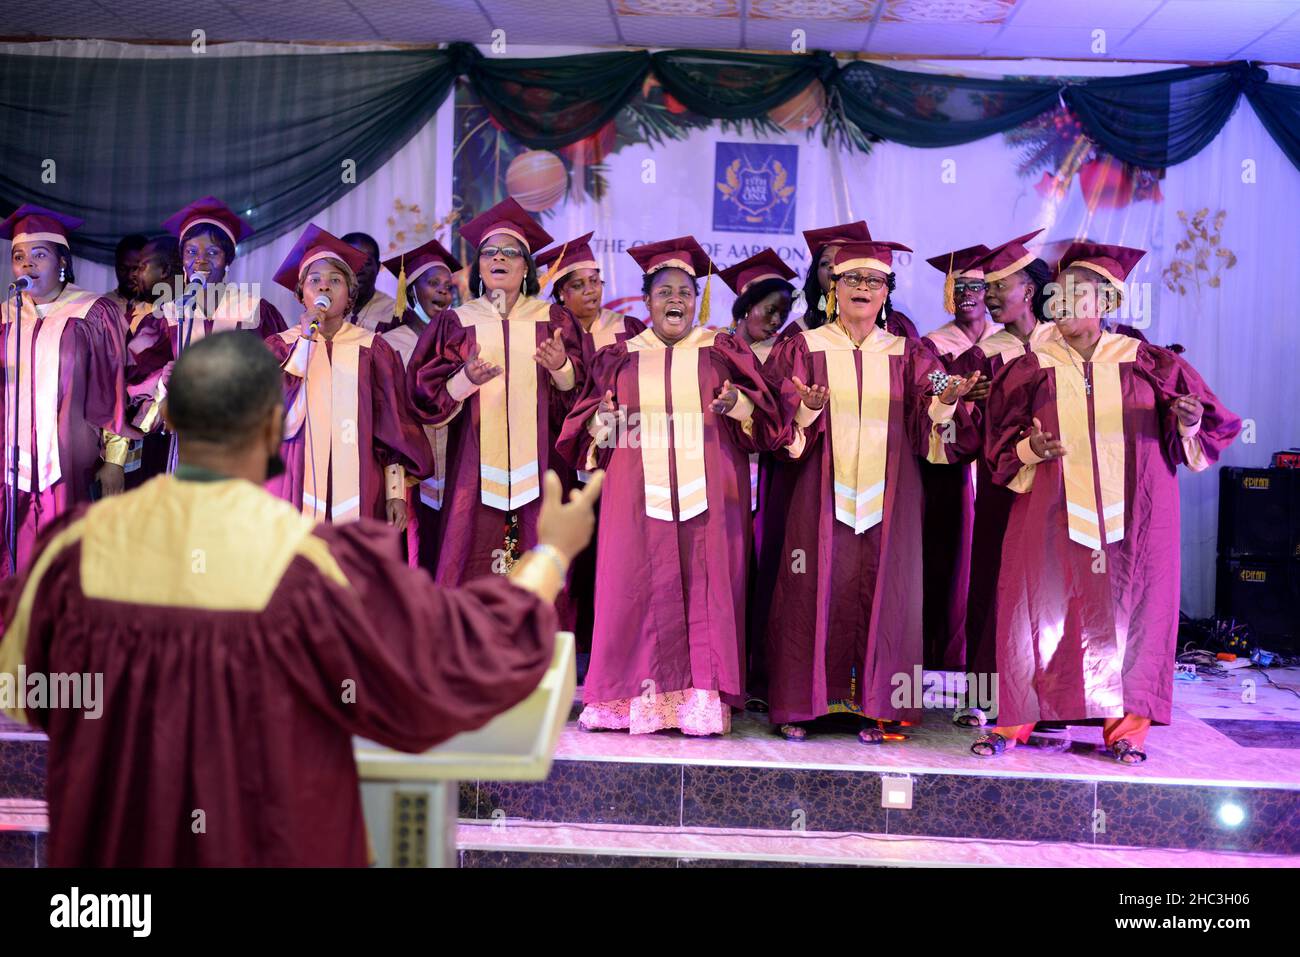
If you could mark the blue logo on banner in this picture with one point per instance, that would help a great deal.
(755, 187)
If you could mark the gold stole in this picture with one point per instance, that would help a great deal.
(330, 420)
(949, 340)
(1087, 514)
(687, 422)
(40, 365)
(1002, 343)
(859, 419)
(604, 331)
(508, 406)
(236, 310)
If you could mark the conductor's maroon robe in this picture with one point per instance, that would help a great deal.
(71, 372)
(1087, 607)
(481, 495)
(236, 692)
(672, 567)
(838, 590)
(949, 520)
(387, 436)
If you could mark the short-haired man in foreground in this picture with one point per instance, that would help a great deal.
(242, 646)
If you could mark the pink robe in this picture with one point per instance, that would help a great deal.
(842, 609)
(86, 397)
(474, 533)
(1087, 607)
(386, 431)
(670, 593)
(241, 708)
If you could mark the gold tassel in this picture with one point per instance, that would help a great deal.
(831, 304)
(546, 280)
(949, 293)
(399, 307)
(704, 298)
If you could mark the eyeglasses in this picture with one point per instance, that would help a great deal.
(509, 252)
(977, 285)
(853, 280)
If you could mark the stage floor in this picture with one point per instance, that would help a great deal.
(1215, 739)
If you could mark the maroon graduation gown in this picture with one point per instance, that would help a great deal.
(228, 692)
(577, 606)
(670, 592)
(1087, 608)
(386, 430)
(87, 397)
(947, 532)
(473, 536)
(839, 603)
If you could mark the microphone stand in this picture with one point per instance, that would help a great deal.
(184, 330)
(15, 328)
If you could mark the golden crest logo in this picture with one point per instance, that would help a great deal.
(755, 186)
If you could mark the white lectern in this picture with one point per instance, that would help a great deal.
(411, 800)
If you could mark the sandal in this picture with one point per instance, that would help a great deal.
(871, 734)
(969, 718)
(993, 742)
(1123, 750)
(756, 705)
(792, 732)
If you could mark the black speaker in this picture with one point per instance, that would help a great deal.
(1264, 593)
(1259, 513)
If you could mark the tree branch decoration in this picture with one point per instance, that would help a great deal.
(1206, 258)
(408, 228)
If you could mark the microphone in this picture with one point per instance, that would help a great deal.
(21, 284)
(196, 284)
(321, 302)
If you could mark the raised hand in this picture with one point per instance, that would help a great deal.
(480, 370)
(958, 388)
(1043, 445)
(568, 526)
(813, 396)
(726, 398)
(551, 353)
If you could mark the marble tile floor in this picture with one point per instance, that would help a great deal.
(1191, 750)
(555, 845)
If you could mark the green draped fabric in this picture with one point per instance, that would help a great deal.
(132, 140)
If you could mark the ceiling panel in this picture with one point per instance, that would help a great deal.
(1281, 46)
(1106, 14)
(1165, 30)
(957, 39)
(818, 35)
